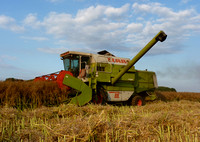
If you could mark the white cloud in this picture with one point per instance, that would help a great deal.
(9, 23)
(101, 13)
(179, 25)
(91, 14)
(7, 57)
(154, 8)
(134, 27)
(35, 38)
(54, 1)
(59, 25)
(31, 20)
(53, 50)
(116, 12)
(185, 1)
(107, 27)
(90, 26)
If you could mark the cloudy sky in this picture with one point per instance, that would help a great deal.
(34, 33)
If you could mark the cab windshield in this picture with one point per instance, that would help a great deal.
(71, 65)
(75, 63)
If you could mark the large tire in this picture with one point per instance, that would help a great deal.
(100, 97)
(137, 101)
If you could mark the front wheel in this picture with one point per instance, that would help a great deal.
(137, 101)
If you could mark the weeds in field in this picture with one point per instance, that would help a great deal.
(160, 121)
(176, 96)
(30, 94)
(177, 120)
(21, 94)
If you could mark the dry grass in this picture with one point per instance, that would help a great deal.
(176, 96)
(158, 121)
(29, 94)
(21, 94)
(177, 119)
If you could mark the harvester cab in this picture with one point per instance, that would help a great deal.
(76, 62)
(102, 77)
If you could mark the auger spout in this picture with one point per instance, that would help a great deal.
(161, 36)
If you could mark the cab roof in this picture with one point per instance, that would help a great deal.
(68, 53)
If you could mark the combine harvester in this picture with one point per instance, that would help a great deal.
(102, 77)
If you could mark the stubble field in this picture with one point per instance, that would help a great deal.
(38, 112)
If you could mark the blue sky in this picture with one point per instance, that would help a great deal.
(34, 33)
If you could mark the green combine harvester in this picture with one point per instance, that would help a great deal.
(103, 78)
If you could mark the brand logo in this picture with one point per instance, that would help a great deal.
(116, 94)
(118, 60)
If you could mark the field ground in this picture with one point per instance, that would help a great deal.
(157, 121)
(32, 112)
